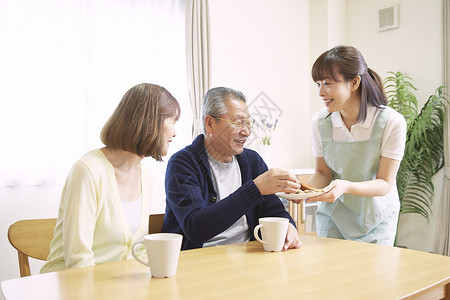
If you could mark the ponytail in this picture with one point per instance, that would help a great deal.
(379, 83)
(372, 92)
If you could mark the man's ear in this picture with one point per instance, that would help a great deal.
(355, 83)
(209, 124)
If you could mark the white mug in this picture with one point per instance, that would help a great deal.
(273, 231)
(163, 251)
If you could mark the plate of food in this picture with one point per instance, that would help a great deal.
(305, 192)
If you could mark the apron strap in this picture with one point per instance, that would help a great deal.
(325, 127)
(380, 124)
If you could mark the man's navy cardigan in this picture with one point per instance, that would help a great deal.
(192, 209)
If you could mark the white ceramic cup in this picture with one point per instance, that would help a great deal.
(163, 252)
(273, 231)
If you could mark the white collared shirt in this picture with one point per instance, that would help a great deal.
(393, 139)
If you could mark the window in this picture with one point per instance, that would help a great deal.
(66, 65)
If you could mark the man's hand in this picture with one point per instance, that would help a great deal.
(277, 180)
(292, 240)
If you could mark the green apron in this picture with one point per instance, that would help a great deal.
(367, 219)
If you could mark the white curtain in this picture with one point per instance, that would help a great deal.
(197, 57)
(442, 239)
(66, 64)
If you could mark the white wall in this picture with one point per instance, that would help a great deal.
(328, 29)
(415, 47)
(262, 46)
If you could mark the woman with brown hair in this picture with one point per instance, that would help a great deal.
(358, 143)
(105, 202)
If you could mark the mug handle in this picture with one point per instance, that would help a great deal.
(255, 233)
(134, 255)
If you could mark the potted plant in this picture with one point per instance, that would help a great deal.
(424, 150)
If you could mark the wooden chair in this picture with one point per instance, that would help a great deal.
(297, 211)
(31, 238)
(155, 223)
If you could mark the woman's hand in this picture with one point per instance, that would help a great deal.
(333, 191)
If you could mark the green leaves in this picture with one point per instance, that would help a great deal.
(400, 97)
(424, 150)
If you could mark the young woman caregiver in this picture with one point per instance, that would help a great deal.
(358, 143)
(105, 202)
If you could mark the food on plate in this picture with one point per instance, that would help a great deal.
(306, 188)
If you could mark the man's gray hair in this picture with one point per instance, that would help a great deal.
(214, 102)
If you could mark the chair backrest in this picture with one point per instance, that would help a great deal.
(155, 223)
(297, 211)
(31, 238)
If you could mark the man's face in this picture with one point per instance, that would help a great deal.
(228, 138)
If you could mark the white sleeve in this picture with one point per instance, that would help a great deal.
(316, 139)
(394, 137)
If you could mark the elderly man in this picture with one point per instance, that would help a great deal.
(216, 190)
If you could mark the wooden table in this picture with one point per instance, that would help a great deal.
(321, 269)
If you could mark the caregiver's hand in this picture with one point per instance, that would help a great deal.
(333, 191)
